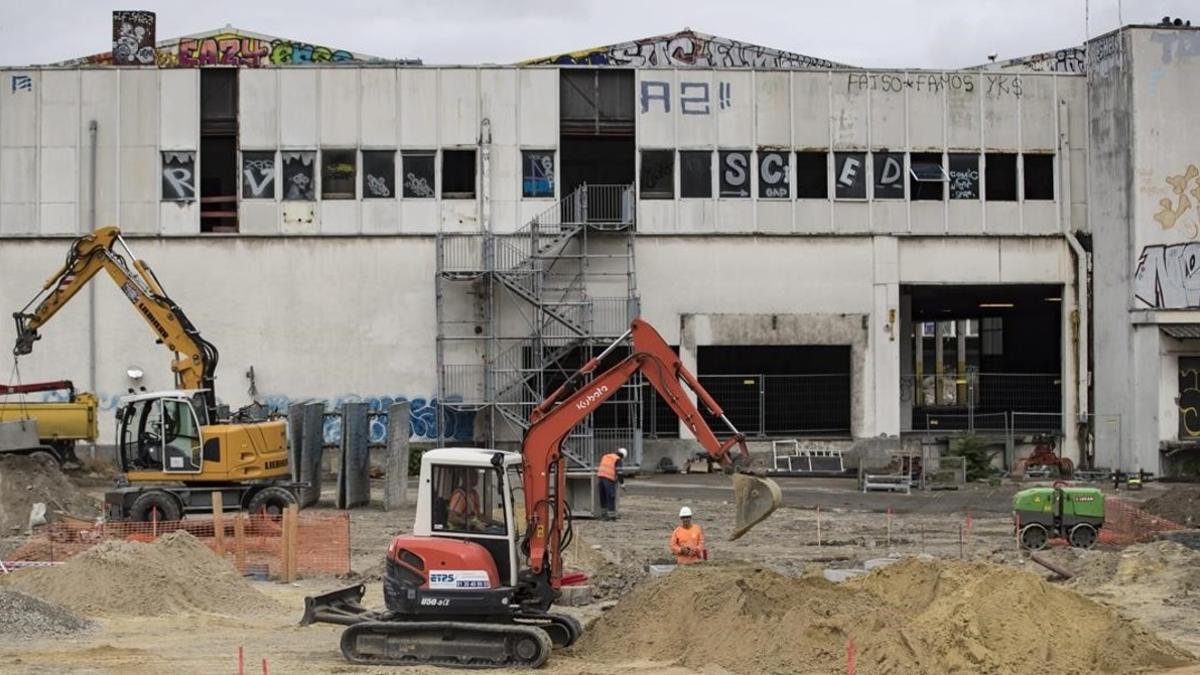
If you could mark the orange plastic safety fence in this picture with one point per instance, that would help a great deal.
(1125, 523)
(255, 546)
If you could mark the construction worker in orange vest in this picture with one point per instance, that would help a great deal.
(609, 476)
(464, 510)
(687, 541)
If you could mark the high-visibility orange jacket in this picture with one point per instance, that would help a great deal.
(691, 538)
(463, 506)
(608, 466)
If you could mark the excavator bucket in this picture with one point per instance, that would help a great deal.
(756, 498)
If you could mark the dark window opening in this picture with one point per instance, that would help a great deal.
(926, 177)
(299, 175)
(964, 176)
(1000, 177)
(889, 175)
(218, 183)
(596, 102)
(850, 171)
(1039, 177)
(218, 101)
(218, 180)
(379, 174)
(537, 173)
(774, 181)
(812, 175)
(985, 356)
(458, 174)
(258, 174)
(417, 166)
(774, 390)
(658, 174)
(338, 168)
(695, 174)
(734, 170)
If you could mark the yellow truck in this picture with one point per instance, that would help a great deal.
(58, 425)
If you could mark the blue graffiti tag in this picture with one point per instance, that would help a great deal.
(457, 425)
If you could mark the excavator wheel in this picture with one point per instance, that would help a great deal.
(451, 644)
(755, 498)
(564, 630)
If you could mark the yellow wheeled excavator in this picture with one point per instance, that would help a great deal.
(174, 448)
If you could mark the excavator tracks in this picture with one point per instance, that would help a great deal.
(452, 644)
(563, 629)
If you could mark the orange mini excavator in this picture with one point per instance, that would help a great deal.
(474, 590)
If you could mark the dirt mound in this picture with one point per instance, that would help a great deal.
(1180, 504)
(175, 574)
(909, 617)
(25, 481)
(28, 618)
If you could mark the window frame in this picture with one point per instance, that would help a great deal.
(1052, 182)
(459, 195)
(405, 157)
(798, 173)
(365, 189)
(915, 181)
(990, 179)
(658, 195)
(865, 180)
(526, 154)
(683, 182)
(326, 192)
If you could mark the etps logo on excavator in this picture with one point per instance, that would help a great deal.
(591, 398)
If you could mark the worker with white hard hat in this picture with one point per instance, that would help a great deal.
(687, 541)
(609, 476)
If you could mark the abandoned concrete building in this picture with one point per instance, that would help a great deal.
(858, 259)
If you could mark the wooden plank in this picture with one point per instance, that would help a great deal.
(239, 542)
(218, 522)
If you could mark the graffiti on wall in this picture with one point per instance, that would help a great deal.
(694, 97)
(178, 176)
(22, 83)
(1189, 397)
(1176, 44)
(1168, 276)
(688, 49)
(935, 83)
(219, 48)
(1069, 60)
(133, 38)
(457, 425)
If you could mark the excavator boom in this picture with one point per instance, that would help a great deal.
(196, 358)
(553, 419)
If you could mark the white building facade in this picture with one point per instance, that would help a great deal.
(845, 256)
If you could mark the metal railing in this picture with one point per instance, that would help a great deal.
(1026, 402)
(766, 405)
(611, 204)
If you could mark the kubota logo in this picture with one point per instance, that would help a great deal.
(592, 397)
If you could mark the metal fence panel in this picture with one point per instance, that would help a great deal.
(312, 444)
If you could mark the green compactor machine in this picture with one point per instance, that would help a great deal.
(1072, 513)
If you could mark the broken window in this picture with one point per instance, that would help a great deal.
(417, 166)
(458, 174)
(964, 176)
(773, 175)
(379, 174)
(337, 174)
(298, 176)
(1000, 177)
(658, 174)
(733, 167)
(537, 173)
(695, 174)
(178, 176)
(1039, 176)
(812, 175)
(850, 170)
(889, 175)
(926, 177)
(258, 174)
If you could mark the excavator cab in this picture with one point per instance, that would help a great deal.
(161, 432)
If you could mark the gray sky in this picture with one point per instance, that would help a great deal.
(875, 33)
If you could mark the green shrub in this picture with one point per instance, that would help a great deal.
(974, 451)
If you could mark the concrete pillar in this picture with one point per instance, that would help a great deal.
(884, 342)
(960, 362)
(909, 385)
(395, 486)
(939, 366)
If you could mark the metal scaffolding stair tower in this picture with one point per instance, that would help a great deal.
(519, 311)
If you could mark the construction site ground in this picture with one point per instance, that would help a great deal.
(1157, 584)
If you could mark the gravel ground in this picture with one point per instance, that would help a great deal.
(25, 617)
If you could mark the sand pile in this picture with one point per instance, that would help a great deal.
(27, 618)
(25, 481)
(175, 574)
(910, 617)
(1180, 504)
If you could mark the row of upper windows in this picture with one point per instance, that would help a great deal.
(341, 172)
(853, 175)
